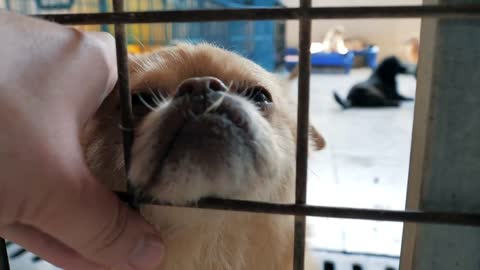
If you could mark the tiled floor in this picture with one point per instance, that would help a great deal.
(364, 165)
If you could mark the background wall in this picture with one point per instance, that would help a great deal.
(389, 35)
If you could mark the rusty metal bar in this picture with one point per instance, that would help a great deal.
(124, 93)
(4, 265)
(450, 218)
(302, 135)
(299, 243)
(437, 11)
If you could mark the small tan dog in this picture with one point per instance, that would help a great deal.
(209, 123)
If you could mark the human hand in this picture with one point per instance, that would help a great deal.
(52, 80)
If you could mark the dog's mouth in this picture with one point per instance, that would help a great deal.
(189, 131)
(205, 138)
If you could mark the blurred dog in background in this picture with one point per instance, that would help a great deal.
(379, 90)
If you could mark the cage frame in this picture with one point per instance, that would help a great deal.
(304, 14)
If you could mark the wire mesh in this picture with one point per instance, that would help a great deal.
(304, 14)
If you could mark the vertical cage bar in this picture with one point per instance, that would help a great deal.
(124, 91)
(302, 134)
(4, 265)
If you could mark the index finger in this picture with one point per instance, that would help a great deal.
(107, 44)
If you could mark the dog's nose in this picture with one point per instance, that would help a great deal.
(200, 86)
(202, 92)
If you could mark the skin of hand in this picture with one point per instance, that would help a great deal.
(52, 79)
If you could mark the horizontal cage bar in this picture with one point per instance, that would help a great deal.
(440, 11)
(451, 218)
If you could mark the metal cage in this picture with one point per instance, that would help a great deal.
(305, 13)
(255, 40)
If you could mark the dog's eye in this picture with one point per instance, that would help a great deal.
(259, 95)
(260, 98)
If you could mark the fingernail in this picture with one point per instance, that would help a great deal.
(148, 253)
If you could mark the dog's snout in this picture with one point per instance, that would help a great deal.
(200, 86)
(202, 92)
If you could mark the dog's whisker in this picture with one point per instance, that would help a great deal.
(145, 103)
(155, 98)
(252, 93)
(162, 97)
(139, 42)
(230, 86)
(255, 95)
(215, 104)
(244, 91)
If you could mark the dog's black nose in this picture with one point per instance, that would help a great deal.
(200, 86)
(202, 92)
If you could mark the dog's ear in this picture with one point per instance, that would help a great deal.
(317, 139)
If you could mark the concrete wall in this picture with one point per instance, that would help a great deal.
(389, 34)
(445, 157)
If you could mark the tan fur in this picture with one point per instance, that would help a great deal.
(208, 239)
(334, 40)
(412, 48)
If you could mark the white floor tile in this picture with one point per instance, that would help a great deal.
(364, 165)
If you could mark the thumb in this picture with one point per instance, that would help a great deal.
(89, 218)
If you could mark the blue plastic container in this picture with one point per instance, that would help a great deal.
(370, 56)
(334, 60)
(321, 59)
(256, 40)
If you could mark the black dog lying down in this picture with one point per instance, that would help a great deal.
(380, 90)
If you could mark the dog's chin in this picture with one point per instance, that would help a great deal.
(209, 156)
(191, 191)
(182, 200)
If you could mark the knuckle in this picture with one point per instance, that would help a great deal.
(111, 232)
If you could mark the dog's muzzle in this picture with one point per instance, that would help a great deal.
(201, 93)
